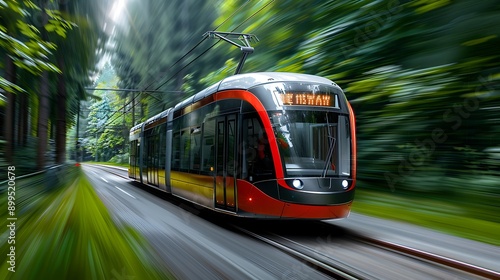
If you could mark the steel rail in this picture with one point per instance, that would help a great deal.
(330, 269)
(430, 257)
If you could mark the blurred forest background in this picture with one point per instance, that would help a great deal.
(423, 78)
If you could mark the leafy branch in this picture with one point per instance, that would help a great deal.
(23, 42)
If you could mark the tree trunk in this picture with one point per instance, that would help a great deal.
(61, 102)
(43, 105)
(22, 123)
(77, 137)
(43, 120)
(10, 75)
(61, 115)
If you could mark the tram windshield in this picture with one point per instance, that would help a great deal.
(313, 143)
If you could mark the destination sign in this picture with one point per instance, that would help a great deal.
(306, 98)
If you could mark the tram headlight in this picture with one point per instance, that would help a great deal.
(345, 184)
(298, 184)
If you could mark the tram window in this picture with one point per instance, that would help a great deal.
(176, 141)
(220, 148)
(229, 105)
(208, 148)
(185, 147)
(162, 147)
(195, 148)
(257, 159)
(345, 146)
(133, 153)
(137, 154)
(249, 152)
(151, 153)
(145, 155)
(132, 150)
(231, 142)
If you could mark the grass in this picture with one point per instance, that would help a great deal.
(69, 233)
(126, 165)
(435, 214)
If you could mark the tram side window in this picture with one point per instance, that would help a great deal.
(257, 159)
(144, 159)
(208, 148)
(345, 148)
(131, 157)
(133, 153)
(231, 143)
(162, 147)
(185, 149)
(176, 141)
(195, 149)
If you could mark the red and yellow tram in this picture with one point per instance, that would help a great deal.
(264, 145)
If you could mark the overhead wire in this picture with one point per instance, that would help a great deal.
(209, 48)
(213, 45)
(193, 60)
(193, 48)
(251, 16)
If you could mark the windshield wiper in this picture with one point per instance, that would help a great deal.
(332, 141)
(329, 155)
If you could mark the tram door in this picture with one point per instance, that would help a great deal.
(152, 160)
(225, 165)
(134, 154)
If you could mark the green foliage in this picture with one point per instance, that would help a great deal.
(402, 67)
(97, 118)
(69, 233)
(7, 86)
(433, 212)
(61, 38)
(122, 159)
(151, 49)
(106, 133)
(220, 74)
(57, 23)
(23, 42)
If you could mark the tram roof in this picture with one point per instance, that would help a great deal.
(249, 80)
(243, 81)
(158, 116)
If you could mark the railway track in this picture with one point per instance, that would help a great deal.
(336, 270)
(417, 263)
(340, 255)
(431, 257)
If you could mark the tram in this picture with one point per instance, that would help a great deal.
(262, 145)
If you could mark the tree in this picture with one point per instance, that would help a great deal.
(24, 49)
(157, 57)
(31, 48)
(421, 75)
(105, 137)
(80, 44)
